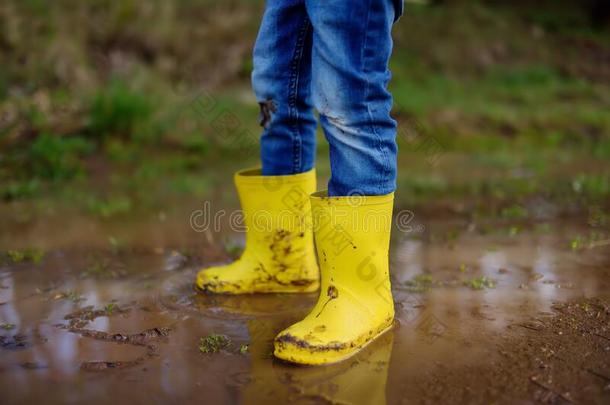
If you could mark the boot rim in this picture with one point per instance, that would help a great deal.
(355, 200)
(252, 175)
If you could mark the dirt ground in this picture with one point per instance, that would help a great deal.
(494, 312)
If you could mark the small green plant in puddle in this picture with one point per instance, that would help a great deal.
(577, 242)
(16, 256)
(213, 343)
(593, 240)
(597, 217)
(7, 326)
(71, 295)
(243, 349)
(420, 283)
(31, 255)
(110, 308)
(514, 230)
(102, 268)
(480, 283)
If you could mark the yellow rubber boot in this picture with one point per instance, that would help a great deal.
(355, 306)
(279, 255)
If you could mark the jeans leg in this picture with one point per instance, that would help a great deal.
(352, 44)
(281, 80)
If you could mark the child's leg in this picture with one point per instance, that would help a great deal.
(282, 83)
(351, 48)
(279, 254)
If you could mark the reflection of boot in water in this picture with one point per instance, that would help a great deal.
(359, 380)
(279, 254)
(264, 386)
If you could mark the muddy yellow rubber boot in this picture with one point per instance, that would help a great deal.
(355, 305)
(279, 255)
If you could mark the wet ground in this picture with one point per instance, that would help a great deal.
(491, 311)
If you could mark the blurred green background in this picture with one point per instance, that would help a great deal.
(108, 106)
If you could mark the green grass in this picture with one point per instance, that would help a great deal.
(130, 111)
(109, 207)
(118, 111)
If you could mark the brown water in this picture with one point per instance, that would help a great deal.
(451, 343)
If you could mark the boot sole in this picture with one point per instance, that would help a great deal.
(273, 290)
(304, 360)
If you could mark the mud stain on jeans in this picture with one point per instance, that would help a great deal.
(268, 107)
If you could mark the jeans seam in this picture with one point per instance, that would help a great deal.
(386, 161)
(293, 95)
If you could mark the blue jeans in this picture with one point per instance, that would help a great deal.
(331, 55)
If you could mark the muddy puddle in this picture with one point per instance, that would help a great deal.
(505, 314)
